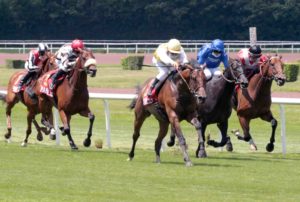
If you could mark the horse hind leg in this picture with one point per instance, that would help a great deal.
(66, 122)
(223, 126)
(39, 136)
(163, 130)
(140, 116)
(10, 104)
(200, 128)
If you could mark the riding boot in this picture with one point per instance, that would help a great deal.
(59, 73)
(24, 80)
(152, 91)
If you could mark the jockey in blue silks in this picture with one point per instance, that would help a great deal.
(210, 56)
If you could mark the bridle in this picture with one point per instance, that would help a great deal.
(274, 74)
(232, 72)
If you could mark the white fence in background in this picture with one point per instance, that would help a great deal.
(147, 46)
(111, 96)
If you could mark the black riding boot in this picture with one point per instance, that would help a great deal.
(59, 73)
(25, 79)
(152, 87)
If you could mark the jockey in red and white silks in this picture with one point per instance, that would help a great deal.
(251, 59)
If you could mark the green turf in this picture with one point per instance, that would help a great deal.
(46, 172)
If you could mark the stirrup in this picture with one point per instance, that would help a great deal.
(51, 86)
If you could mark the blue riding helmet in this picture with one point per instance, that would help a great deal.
(217, 45)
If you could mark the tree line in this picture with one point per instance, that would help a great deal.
(149, 20)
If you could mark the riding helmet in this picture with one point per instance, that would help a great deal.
(217, 45)
(174, 46)
(255, 50)
(77, 44)
(42, 48)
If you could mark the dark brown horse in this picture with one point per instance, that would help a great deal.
(217, 106)
(177, 101)
(27, 98)
(71, 96)
(255, 101)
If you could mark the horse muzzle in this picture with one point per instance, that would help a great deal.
(201, 95)
(92, 72)
(244, 85)
(280, 81)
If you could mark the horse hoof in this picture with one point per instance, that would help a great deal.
(24, 144)
(87, 142)
(171, 143)
(188, 164)
(270, 147)
(129, 159)
(8, 140)
(229, 146)
(253, 147)
(52, 137)
(202, 154)
(74, 147)
(39, 137)
(52, 131)
(7, 136)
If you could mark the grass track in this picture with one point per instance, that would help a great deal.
(45, 172)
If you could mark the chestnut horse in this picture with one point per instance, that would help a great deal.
(255, 101)
(177, 101)
(71, 96)
(217, 106)
(27, 98)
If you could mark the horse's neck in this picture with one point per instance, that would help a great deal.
(78, 80)
(220, 88)
(181, 80)
(259, 85)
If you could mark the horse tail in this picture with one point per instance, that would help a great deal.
(3, 97)
(134, 100)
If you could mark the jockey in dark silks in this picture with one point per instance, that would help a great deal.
(31, 64)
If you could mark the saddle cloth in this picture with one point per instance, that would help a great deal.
(46, 80)
(146, 99)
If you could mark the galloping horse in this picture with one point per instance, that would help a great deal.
(217, 106)
(71, 96)
(177, 100)
(27, 98)
(255, 101)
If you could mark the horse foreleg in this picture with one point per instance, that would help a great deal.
(245, 123)
(163, 130)
(8, 123)
(175, 124)
(140, 116)
(171, 142)
(39, 136)
(88, 113)
(66, 122)
(269, 118)
(30, 117)
(200, 152)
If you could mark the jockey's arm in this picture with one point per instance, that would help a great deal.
(225, 60)
(202, 55)
(164, 57)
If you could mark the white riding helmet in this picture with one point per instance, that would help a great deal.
(174, 46)
(42, 47)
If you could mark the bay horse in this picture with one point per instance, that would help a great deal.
(255, 101)
(71, 96)
(217, 106)
(27, 98)
(177, 100)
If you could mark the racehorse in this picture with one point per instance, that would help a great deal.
(26, 96)
(217, 106)
(177, 100)
(255, 101)
(71, 96)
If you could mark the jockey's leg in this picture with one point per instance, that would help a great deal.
(152, 87)
(25, 79)
(59, 73)
(207, 73)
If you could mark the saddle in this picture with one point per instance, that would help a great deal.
(46, 80)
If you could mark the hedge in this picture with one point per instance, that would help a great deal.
(291, 72)
(15, 64)
(133, 62)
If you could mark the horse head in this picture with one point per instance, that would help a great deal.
(48, 63)
(88, 62)
(237, 73)
(196, 81)
(274, 69)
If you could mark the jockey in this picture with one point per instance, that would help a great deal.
(167, 57)
(210, 56)
(251, 59)
(66, 58)
(31, 65)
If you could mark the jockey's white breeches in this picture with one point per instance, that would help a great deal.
(31, 69)
(163, 70)
(209, 72)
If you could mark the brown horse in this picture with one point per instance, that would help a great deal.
(255, 101)
(177, 101)
(27, 98)
(71, 96)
